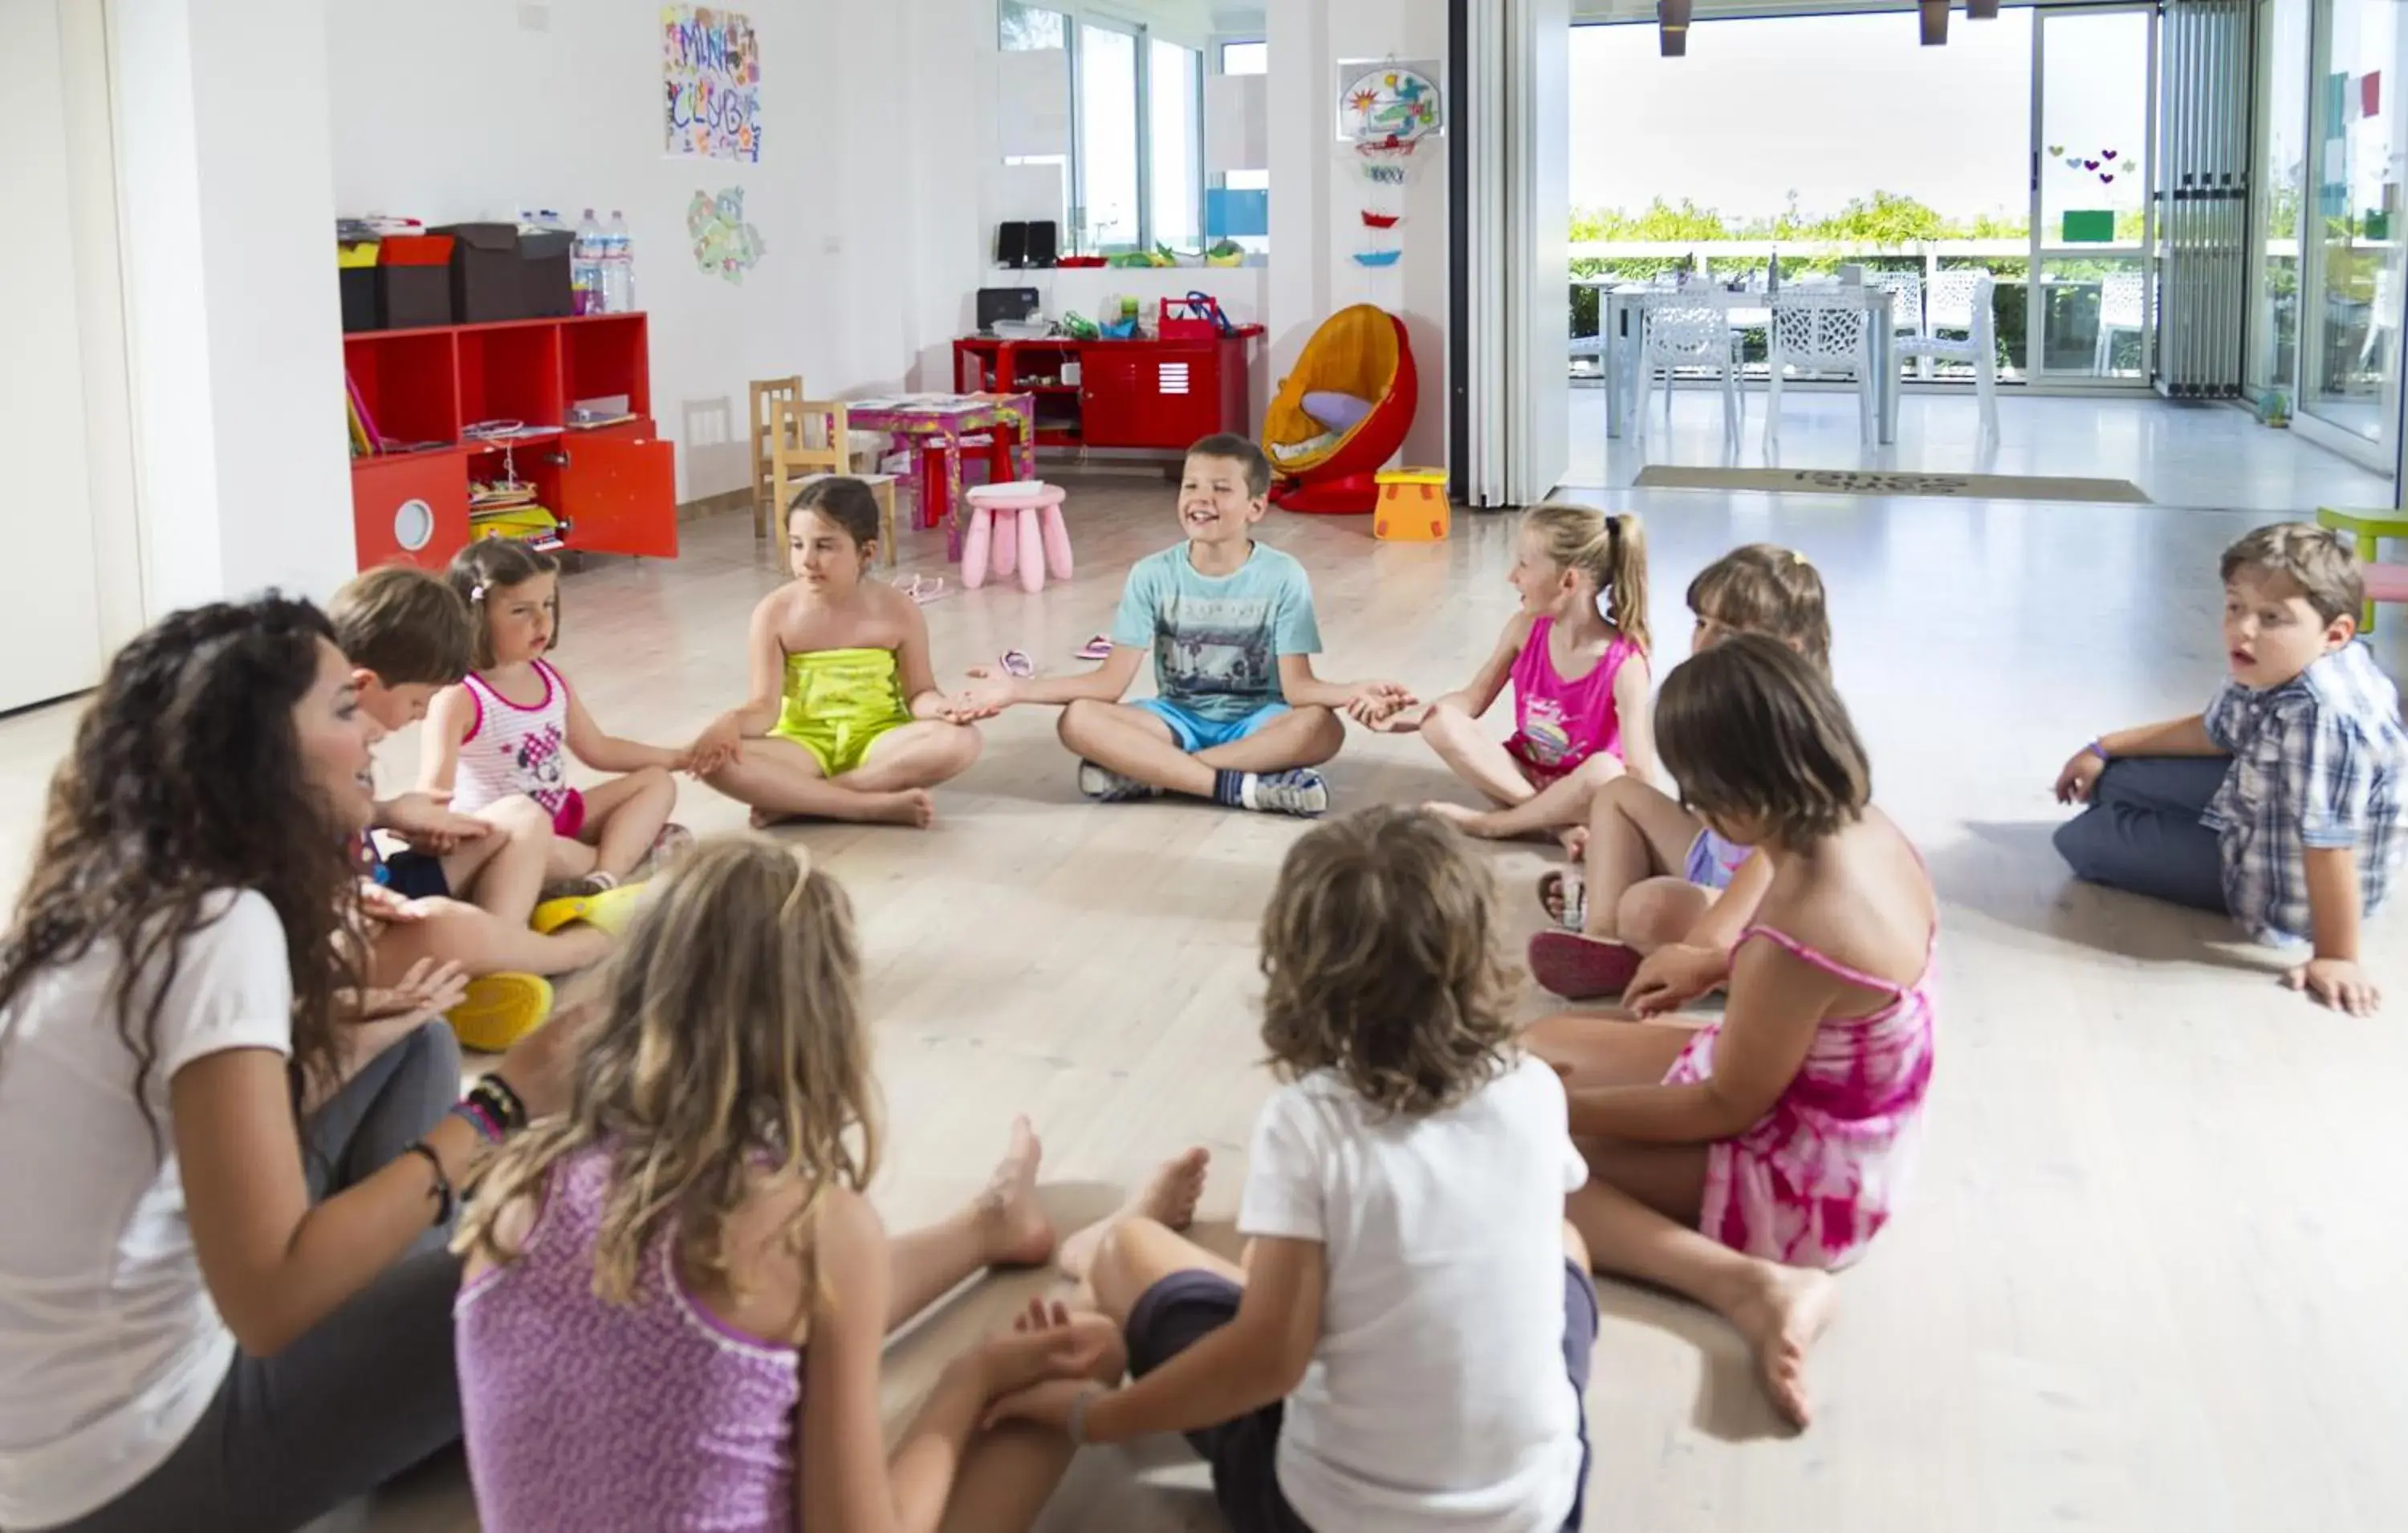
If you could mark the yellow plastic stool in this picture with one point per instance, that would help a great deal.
(1413, 506)
(2366, 529)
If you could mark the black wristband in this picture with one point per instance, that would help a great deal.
(441, 1191)
(494, 1095)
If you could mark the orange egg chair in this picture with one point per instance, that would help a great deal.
(1362, 351)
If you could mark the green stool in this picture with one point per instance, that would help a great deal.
(2366, 530)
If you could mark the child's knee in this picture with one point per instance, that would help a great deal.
(1654, 913)
(655, 779)
(1076, 726)
(1547, 1039)
(1324, 732)
(963, 745)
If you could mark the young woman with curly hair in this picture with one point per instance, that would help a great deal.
(225, 1296)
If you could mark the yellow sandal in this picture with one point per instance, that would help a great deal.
(499, 1010)
(610, 911)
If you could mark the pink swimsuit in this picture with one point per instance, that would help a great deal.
(513, 750)
(1557, 724)
(1812, 1181)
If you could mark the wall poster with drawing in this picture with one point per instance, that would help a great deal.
(710, 84)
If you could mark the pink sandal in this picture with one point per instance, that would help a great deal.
(1581, 968)
(1098, 648)
(1016, 664)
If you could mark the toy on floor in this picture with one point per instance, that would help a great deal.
(1358, 370)
(1039, 539)
(1413, 506)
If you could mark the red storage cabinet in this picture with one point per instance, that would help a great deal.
(615, 486)
(1154, 394)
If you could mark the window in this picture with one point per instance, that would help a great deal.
(1029, 28)
(1109, 179)
(1245, 58)
(1175, 147)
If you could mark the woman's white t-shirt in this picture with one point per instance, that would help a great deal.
(110, 1348)
(1436, 1399)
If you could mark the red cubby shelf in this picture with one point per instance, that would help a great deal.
(615, 486)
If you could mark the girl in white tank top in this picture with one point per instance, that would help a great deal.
(511, 726)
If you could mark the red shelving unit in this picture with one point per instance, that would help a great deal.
(615, 486)
(1159, 395)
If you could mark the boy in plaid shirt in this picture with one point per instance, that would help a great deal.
(2280, 805)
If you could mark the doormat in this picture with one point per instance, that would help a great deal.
(1881, 481)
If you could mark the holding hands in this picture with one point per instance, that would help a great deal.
(1052, 1358)
(428, 823)
(715, 747)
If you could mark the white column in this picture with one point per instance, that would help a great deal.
(235, 329)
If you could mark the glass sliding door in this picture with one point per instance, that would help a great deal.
(2279, 208)
(2350, 322)
(2093, 233)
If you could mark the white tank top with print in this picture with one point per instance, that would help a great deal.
(512, 750)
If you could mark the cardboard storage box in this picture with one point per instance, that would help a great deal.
(486, 282)
(544, 268)
(357, 263)
(413, 281)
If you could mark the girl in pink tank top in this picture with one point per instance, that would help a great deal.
(676, 1293)
(1739, 1164)
(513, 724)
(1576, 657)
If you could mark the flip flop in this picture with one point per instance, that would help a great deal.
(499, 1010)
(922, 589)
(610, 911)
(1015, 663)
(1570, 892)
(1098, 648)
(1581, 968)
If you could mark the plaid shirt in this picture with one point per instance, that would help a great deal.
(2316, 762)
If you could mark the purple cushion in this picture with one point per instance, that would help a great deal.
(1339, 412)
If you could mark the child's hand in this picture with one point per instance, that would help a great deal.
(990, 692)
(1047, 1341)
(2081, 774)
(1046, 1405)
(715, 747)
(2339, 982)
(378, 903)
(429, 825)
(1671, 977)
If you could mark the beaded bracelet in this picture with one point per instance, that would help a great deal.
(479, 1117)
(494, 1095)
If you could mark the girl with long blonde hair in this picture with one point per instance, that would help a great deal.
(1576, 655)
(677, 1294)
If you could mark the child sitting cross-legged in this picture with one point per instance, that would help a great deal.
(2281, 805)
(845, 721)
(1407, 1342)
(1239, 717)
(676, 1293)
(1661, 898)
(1576, 655)
(1738, 1162)
(512, 725)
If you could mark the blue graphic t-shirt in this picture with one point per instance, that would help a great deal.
(1216, 643)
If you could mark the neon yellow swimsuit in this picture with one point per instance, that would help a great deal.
(839, 702)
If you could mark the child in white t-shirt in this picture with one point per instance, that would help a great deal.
(1407, 1343)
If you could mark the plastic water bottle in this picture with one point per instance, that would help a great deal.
(618, 267)
(585, 265)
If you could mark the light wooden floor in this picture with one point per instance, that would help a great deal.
(2152, 1275)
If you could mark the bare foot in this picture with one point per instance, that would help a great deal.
(1575, 840)
(1469, 820)
(1168, 1198)
(911, 807)
(764, 819)
(1017, 1232)
(1782, 1317)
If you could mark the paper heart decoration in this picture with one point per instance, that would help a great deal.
(2090, 164)
(2074, 162)
(2105, 180)
(2056, 151)
(2106, 154)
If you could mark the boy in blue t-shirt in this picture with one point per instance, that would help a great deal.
(1238, 716)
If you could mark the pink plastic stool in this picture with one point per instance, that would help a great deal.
(2384, 584)
(1039, 539)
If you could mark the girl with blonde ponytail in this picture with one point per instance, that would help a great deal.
(1576, 655)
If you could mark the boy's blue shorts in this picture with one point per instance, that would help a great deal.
(1193, 732)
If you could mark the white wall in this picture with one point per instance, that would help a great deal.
(1317, 193)
(234, 324)
(877, 122)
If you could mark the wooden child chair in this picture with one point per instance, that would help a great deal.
(796, 458)
(768, 394)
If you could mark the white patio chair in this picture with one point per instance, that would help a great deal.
(2123, 308)
(1981, 349)
(1690, 338)
(1822, 333)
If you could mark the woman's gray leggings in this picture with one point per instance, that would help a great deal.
(369, 1392)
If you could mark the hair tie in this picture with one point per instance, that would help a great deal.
(477, 591)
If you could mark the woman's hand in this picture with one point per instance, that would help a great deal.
(2080, 775)
(1672, 976)
(427, 991)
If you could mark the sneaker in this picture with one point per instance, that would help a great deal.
(1106, 786)
(499, 1010)
(1301, 792)
(667, 849)
(1580, 968)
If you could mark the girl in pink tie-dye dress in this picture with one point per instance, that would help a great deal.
(1740, 1162)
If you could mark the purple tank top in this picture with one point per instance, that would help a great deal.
(582, 1414)
(1557, 724)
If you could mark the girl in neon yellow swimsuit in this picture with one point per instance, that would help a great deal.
(845, 721)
